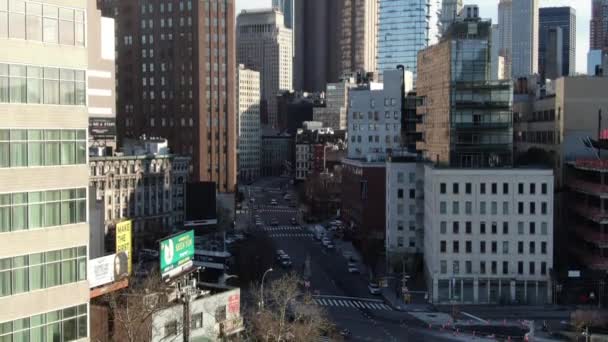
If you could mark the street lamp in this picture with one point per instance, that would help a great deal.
(262, 288)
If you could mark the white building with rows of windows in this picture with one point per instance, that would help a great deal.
(488, 235)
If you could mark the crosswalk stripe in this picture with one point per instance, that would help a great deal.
(358, 304)
(385, 307)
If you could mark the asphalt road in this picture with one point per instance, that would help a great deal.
(343, 295)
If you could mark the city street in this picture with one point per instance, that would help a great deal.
(345, 296)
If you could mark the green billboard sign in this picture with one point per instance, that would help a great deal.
(176, 253)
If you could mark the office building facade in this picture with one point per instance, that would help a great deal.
(264, 44)
(358, 37)
(458, 128)
(598, 33)
(524, 45)
(43, 169)
(450, 9)
(249, 131)
(565, 19)
(406, 27)
(334, 113)
(176, 80)
(505, 34)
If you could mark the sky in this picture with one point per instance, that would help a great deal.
(489, 9)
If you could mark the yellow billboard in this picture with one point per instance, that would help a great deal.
(123, 241)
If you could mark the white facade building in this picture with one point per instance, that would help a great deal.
(505, 34)
(249, 131)
(374, 116)
(404, 206)
(524, 47)
(488, 235)
(264, 44)
(334, 114)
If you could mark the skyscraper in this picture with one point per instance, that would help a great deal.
(449, 11)
(249, 132)
(287, 7)
(264, 45)
(404, 28)
(176, 80)
(554, 50)
(466, 116)
(358, 36)
(524, 45)
(598, 34)
(505, 34)
(317, 36)
(564, 18)
(44, 292)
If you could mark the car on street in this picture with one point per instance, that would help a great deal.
(274, 222)
(293, 221)
(330, 246)
(273, 202)
(352, 267)
(326, 241)
(286, 261)
(373, 288)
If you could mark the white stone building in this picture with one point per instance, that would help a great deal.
(488, 235)
(374, 117)
(249, 131)
(334, 114)
(404, 206)
(524, 48)
(264, 44)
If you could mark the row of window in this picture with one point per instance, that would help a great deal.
(41, 209)
(37, 271)
(63, 325)
(376, 139)
(33, 21)
(468, 188)
(494, 228)
(36, 147)
(468, 265)
(468, 208)
(37, 85)
(493, 247)
(376, 115)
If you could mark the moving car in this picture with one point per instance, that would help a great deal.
(273, 202)
(352, 268)
(294, 221)
(373, 288)
(285, 261)
(330, 246)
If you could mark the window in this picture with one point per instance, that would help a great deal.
(482, 228)
(520, 228)
(469, 247)
(444, 267)
(455, 188)
(532, 188)
(455, 247)
(520, 188)
(543, 248)
(456, 267)
(400, 225)
(69, 323)
(400, 178)
(196, 321)
(543, 188)
(494, 268)
(443, 226)
(505, 267)
(494, 188)
(494, 247)
(532, 208)
(532, 268)
(494, 228)
(412, 193)
(468, 227)
(482, 188)
(443, 247)
(456, 227)
(520, 247)
(468, 208)
(482, 208)
(505, 247)
(543, 228)
(443, 208)
(482, 267)
(543, 208)
(468, 188)
(220, 314)
(400, 193)
(543, 268)
(532, 247)
(532, 228)
(171, 329)
(505, 188)
(468, 266)
(494, 208)
(42, 270)
(520, 208)
(482, 247)
(505, 228)
(443, 188)
(520, 267)
(505, 208)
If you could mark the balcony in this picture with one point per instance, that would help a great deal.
(589, 188)
(585, 257)
(483, 147)
(592, 165)
(592, 236)
(481, 125)
(482, 104)
(593, 214)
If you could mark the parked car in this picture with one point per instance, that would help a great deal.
(293, 221)
(286, 261)
(352, 268)
(373, 288)
(273, 202)
(330, 246)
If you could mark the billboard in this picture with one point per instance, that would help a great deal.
(100, 128)
(108, 269)
(176, 253)
(123, 241)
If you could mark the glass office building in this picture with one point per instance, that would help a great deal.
(404, 28)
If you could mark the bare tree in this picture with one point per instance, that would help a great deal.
(288, 314)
